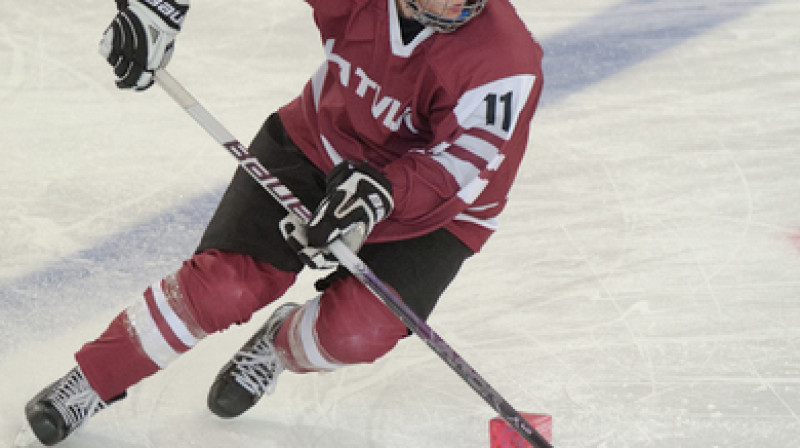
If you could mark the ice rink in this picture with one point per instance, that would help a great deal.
(643, 288)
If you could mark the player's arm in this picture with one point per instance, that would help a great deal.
(432, 187)
(141, 38)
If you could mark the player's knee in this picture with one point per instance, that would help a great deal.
(353, 326)
(219, 289)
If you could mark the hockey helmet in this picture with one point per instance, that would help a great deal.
(444, 15)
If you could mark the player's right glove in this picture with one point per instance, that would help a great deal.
(294, 232)
(357, 197)
(141, 38)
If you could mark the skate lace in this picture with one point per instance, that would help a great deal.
(257, 368)
(75, 400)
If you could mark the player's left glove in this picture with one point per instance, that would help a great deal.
(357, 198)
(141, 39)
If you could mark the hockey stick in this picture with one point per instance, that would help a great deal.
(350, 260)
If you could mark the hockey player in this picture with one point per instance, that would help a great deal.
(405, 144)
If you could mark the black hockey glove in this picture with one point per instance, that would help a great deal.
(294, 232)
(357, 197)
(141, 38)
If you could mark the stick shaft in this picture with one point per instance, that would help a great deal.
(351, 261)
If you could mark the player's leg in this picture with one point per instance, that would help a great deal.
(208, 293)
(241, 265)
(345, 325)
(350, 325)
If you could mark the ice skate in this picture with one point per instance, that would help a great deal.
(252, 372)
(60, 408)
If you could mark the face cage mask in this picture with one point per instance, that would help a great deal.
(429, 19)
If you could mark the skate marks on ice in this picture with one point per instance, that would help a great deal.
(674, 365)
(250, 432)
(145, 424)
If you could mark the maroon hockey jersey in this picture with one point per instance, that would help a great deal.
(446, 117)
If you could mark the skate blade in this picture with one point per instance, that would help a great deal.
(26, 439)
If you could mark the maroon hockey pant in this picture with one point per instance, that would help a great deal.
(213, 290)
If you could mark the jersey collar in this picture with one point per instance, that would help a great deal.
(396, 35)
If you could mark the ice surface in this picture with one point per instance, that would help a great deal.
(643, 287)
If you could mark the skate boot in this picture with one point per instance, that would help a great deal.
(60, 408)
(252, 372)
